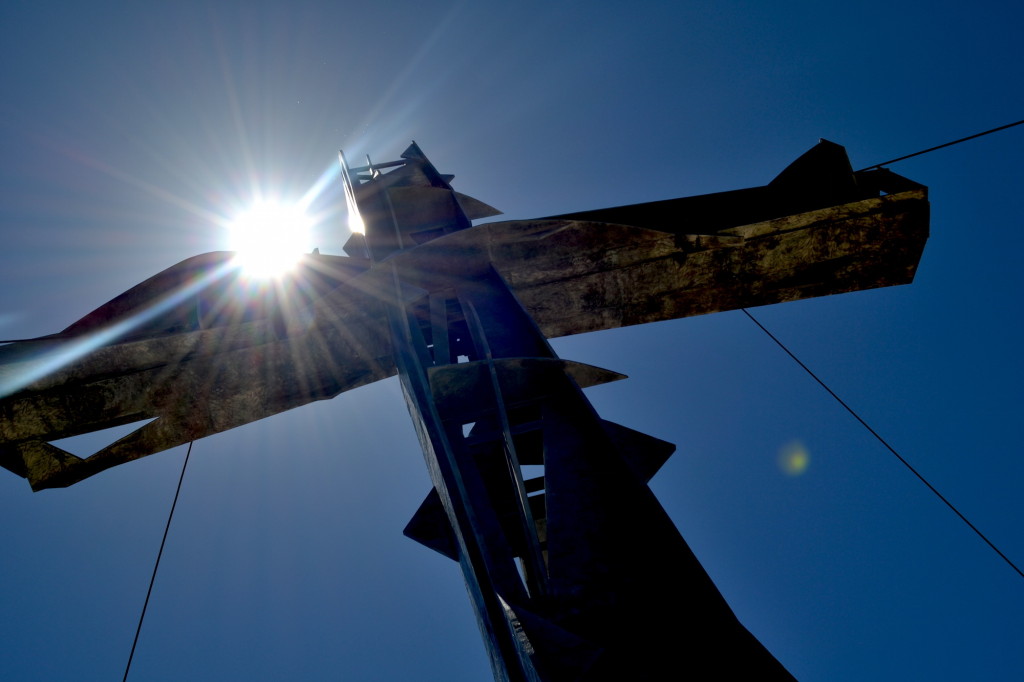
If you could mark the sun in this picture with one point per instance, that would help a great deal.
(269, 238)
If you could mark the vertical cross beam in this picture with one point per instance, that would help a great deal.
(574, 569)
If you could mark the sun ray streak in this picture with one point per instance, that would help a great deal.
(330, 175)
(158, 192)
(20, 375)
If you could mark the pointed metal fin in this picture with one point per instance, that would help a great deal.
(474, 208)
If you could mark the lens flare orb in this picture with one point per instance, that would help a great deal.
(794, 458)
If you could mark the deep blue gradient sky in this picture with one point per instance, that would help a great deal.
(128, 132)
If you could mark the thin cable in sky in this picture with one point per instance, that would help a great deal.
(152, 579)
(941, 146)
(883, 441)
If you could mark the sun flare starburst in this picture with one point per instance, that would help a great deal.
(269, 238)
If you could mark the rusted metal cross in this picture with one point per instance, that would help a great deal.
(574, 570)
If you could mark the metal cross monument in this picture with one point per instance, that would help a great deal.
(574, 570)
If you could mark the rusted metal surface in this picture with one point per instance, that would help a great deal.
(201, 362)
(577, 276)
(195, 383)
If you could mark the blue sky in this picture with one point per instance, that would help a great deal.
(129, 132)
